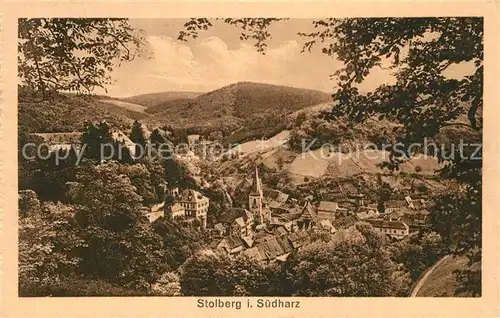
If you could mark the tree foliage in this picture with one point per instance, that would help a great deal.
(69, 54)
(207, 274)
(355, 262)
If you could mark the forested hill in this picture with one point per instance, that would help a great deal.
(152, 99)
(67, 113)
(234, 103)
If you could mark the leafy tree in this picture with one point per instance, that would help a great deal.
(122, 247)
(68, 54)
(355, 262)
(138, 137)
(49, 241)
(384, 194)
(157, 138)
(78, 287)
(207, 274)
(180, 242)
(417, 253)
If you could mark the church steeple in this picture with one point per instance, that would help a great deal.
(256, 188)
(255, 199)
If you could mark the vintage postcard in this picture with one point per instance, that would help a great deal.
(246, 159)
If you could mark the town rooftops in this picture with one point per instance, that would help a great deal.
(395, 204)
(298, 239)
(176, 207)
(270, 248)
(247, 240)
(386, 224)
(285, 243)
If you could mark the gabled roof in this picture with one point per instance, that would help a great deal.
(233, 241)
(328, 206)
(309, 213)
(280, 230)
(285, 243)
(254, 253)
(191, 195)
(158, 207)
(247, 240)
(397, 225)
(230, 215)
(240, 222)
(275, 198)
(298, 239)
(176, 207)
(270, 248)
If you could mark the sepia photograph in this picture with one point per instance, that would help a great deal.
(250, 157)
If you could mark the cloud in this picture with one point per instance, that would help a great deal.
(209, 64)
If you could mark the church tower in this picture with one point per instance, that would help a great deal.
(255, 199)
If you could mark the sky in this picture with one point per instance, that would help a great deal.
(219, 58)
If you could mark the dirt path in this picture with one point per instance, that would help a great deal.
(424, 277)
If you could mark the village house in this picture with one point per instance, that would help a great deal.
(416, 204)
(175, 211)
(393, 205)
(232, 245)
(393, 229)
(327, 225)
(365, 212)
(275, 198)
(237, 221)
(194, 204)
(327, 209)
(416, 220)
(155, 212)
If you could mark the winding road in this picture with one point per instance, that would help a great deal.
(424, 277)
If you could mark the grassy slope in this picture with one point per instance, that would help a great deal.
(442, 281)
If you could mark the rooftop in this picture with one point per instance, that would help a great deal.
(386, 224)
